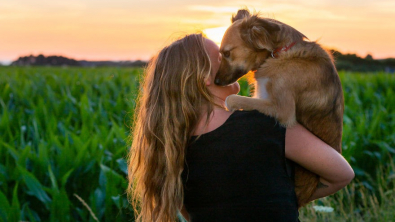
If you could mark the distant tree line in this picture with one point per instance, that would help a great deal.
(346, 62)
(352, 62)
(42, 60)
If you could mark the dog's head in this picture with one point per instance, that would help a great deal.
(245, 46)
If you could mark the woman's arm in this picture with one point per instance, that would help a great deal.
(307, 150)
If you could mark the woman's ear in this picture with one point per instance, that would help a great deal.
(208, 81)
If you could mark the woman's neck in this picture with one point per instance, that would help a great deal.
(216, 118)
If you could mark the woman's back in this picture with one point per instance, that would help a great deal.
(238, 172)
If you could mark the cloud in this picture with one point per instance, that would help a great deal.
(213, 9)
(22, 9)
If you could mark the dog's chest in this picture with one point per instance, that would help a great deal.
(260, 88)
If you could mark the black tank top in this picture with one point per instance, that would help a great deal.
(238, 172)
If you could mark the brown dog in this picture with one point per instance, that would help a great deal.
(295, 80)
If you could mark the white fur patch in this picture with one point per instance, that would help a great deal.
(260, 87)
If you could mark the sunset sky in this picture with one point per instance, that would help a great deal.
(137, 29)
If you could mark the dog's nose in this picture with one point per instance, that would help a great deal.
(217, 81)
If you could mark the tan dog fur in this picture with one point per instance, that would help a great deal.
(301, 84)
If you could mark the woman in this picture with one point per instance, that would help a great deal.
(190, 154)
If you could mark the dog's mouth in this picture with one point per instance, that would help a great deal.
(223, 84)
(227, 79)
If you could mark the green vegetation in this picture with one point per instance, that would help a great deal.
(64, 141)
(354, 63)
(64, 134)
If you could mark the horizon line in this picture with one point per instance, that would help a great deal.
(8, 61)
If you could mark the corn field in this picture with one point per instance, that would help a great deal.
(64, 141)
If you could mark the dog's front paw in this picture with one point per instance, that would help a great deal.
(230, 102)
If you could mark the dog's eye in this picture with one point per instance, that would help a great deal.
(226, 54)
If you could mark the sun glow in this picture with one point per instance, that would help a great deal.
(215, 34)
(130, 30)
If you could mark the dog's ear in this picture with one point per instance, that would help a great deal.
(258, 32)
(242, 13)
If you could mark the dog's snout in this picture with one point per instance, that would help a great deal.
(218, 82)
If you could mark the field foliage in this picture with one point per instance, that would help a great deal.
(64, 140)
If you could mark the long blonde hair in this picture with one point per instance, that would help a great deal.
(169, 108)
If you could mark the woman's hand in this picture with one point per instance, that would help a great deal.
(307, 150)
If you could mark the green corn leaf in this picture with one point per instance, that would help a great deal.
(28, 214)
(117, 201)
(60, 208)
(66, 177)
(122, 165)
(4, 207)
(15, 201)
(110, 175)
(384, 147)
(83, 152)
(53, 179)
(14, 214)
(34, 186)
(13, 152)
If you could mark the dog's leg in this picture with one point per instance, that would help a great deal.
(236, 102)
(283, 109)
